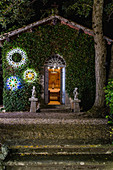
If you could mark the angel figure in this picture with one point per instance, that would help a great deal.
(75, 93)
(33, 92)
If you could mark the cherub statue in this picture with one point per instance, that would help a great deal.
(75, 93)
(33, 92)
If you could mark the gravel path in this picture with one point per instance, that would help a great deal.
(47, 118)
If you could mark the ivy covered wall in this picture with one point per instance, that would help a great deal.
(77, 50)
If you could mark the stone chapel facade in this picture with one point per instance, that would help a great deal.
(54, 70)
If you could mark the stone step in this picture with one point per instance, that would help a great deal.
(55, 166)
(61, 150)
(58, 141)
(56, 108)
(59, 162)
(55, 132)
(60, 157)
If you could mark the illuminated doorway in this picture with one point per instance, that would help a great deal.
(54, 86)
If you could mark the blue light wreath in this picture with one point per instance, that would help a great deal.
(13, 83)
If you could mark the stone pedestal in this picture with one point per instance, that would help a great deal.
(71, 105)
(76, 105)
(67, 100)
(33, 106)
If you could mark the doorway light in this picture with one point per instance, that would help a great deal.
(54, 65)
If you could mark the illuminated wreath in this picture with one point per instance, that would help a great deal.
(13, 83)
(10, 59)
(30, 75)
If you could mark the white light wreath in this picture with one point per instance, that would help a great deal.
(23, 57)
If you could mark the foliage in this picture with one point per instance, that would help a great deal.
(83, 8)
(17, 100)
(22, 12)
(39, 45)
(79, 7)
(109, 10)
(16, 57)
(109, 100)
(81, 71)
(18, 11)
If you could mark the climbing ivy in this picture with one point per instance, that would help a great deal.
(109, 100)
(76, 48)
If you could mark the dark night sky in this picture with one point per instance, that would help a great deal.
(40, 8)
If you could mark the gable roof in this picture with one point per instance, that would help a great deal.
(50, 18)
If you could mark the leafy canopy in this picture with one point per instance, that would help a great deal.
(20, 12)
(15, 11)
(78, 7)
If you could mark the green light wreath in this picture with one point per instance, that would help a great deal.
(30, 75)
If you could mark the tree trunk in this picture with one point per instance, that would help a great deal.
(100, 52)
(111, 64)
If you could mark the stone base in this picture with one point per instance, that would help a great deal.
(33, 106)
(76, 106)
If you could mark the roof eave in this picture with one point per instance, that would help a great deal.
(63, 21)
(18, 31)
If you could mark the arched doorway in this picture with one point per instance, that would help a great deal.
(54, 80)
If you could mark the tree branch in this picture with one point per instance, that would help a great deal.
(32, 2)
(109, 17)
